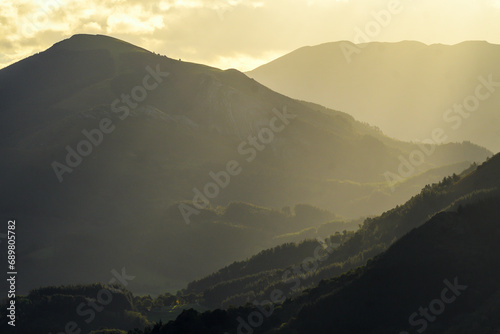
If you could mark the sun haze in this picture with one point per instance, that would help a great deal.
(235, 33)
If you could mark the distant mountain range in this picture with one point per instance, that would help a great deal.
(408, 89)
(109, 150)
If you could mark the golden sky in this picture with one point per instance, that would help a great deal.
(242, 34)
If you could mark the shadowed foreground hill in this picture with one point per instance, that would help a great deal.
(380, 298)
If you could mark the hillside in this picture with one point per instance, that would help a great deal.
(455, 246)
(255, 278)
(452, 249)
(441, 277)
(433, 269)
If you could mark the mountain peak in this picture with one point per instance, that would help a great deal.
(81, 42)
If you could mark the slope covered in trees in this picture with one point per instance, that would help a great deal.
(383, 278)
(244, 281)
(441, 277)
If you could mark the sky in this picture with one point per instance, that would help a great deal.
(241, 34)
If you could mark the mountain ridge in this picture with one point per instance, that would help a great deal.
(190, 125)
(408, 83)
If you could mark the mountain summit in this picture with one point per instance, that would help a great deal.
(85, 42)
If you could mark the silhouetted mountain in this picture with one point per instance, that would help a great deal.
(407, 88)
(104, 143)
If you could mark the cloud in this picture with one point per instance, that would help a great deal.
(235, 33)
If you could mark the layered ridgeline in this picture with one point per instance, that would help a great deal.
(102, 139)
(438, 274)
(407, 89)
(440, 277)
(257, 277)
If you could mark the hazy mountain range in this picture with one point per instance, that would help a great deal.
(157, 145)
(408, 89)
(216, 194)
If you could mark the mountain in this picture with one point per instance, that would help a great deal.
(440, 277)
(408, 89)
(111, 153)
(257, 277)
